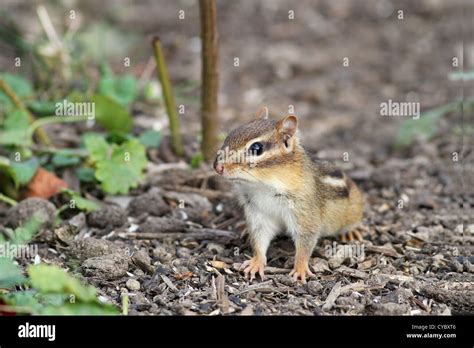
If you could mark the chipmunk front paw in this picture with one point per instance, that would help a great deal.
(253, 266)
(301, 271)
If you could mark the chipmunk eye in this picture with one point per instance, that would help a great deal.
(256, 149)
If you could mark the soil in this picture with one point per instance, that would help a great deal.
(175, 244)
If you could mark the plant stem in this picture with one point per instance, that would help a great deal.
(125, 304)
(210, 79)
(8, 200)
(42, 136)
(55, 119)
(163, 76)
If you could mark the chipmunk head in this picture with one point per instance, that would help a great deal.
(259, 149)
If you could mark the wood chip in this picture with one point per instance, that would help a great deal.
(332, 297)
(168, 282)
(384, 250)
(222, 299)
(338, 290)
(344, 270)
(194, 233)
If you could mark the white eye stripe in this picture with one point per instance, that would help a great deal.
(330, 180)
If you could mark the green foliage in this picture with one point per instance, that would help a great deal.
(150, 138)
(25, 233)
(111, 115)
(462, 75)
(42, 274)
(20, 173)
(85, 174)
(42, 108)
(21, 86)
(80, 202)
(118, 167)
(7, 171)
(16, 119)
(16, 137)
(25, 170)
(64, 159)
(197, 160)
(15, 129)
(90, 308)
(53, 291)
(122, 89)
(10, 274)
(427, 125)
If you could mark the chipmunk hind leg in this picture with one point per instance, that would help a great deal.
(354, 214)
(350, 233)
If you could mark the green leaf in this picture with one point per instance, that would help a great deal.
(85, 174)
(10, 274)
(25, 233)
(123, 90)
(80, 309)
(197, 160)
(6, 168)
(462, 75)
(24, 299)
(118, 167)
(25, 170)
(118, 137)
(111, 115)
(21, 86)
(80, 202)
(65, 160)
(96, 146)
(18, 137)
(124, 169)
(150, 138)
(52, 279)
(42, 107)
(425, 127)
(17, 119)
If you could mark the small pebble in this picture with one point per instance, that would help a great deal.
(133, 285)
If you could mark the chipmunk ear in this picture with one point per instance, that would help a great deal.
(262, 113)
(287, 127)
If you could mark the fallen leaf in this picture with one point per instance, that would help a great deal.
(44, 185)
(183, 276)
(219, 264)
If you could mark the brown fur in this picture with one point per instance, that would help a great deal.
(240, 136)
(324, 200)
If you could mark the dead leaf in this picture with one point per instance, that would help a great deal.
(219, 264)
(183, 276)
(44, 185)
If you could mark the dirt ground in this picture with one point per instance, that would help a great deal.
(174, 245)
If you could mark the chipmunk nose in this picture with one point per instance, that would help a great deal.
(219, 167)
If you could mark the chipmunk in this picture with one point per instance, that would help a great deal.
(283, 190)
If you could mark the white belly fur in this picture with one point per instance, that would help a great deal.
(269, 204)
